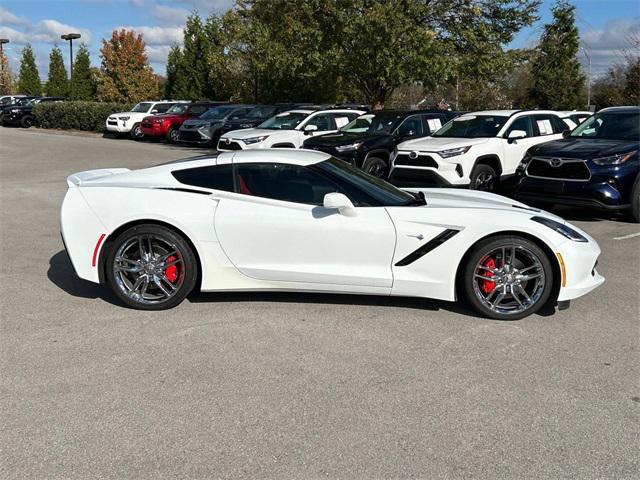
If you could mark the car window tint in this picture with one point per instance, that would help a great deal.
(523, 123)
(216, 177)
(162, 107)
(412, 126)
(198, 109)
(322, 121)
(544, 125)
(280, 181)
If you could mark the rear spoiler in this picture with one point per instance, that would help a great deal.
(80, 178)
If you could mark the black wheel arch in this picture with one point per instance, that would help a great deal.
(491, 160)
(108, 243)
(553, 260)
(378, 153)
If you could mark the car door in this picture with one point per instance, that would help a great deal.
(275, 228)
(515, 149)
(409, 128)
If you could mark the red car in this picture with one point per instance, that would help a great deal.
(168, 124)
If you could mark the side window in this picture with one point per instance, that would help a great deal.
(341, 119)
(559, 125)
(281, 181)
(198, 109)
(239, 113)
(411, 127)
(162, 107)
(322, 121)
(216, 177)
(544, 125)
(432, 123)
(523, 123)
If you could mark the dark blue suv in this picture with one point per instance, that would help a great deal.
(596, 165)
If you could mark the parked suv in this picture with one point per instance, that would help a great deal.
(368, 141)
(22, 112)
(596, 165)
(128, 123)
(10, 99)
(474, 150)
(207, 128)
(288, 129)
(256, 116)
(168, 124)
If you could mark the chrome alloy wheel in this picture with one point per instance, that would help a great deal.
(485, 182)
(509, 279)
(148, 269)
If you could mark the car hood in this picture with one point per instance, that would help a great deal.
(583, 148)
(128, 114)
(253, 132)
(342, 138)
(167, 115)
(435, 144)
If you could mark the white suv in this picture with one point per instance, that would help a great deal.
(129, 122)
(474, 150)
(288, 129)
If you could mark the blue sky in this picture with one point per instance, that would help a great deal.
(604, 25)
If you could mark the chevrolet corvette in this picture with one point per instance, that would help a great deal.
(300, 220)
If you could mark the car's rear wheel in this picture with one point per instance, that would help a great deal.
(483, 178)
(507, 277)
(150, 267)
(173, 135)
(136, 132)
(26, 121)
(376, 166)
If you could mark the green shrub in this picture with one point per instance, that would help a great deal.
(90, 116)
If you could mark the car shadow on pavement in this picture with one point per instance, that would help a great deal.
(61, 274)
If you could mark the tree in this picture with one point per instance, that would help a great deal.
(83, 82)
(57, 83)
(126, 75)
(173, 64)
(558, 82)
(192, 72)
(29, 78)
(632, 83)
(6, 77)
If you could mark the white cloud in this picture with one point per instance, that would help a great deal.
(50, 31)
(158, 35)
(14, 36)
(607, 45)
(158, 53)
(8, 18)
(209, 6)
(170, 15)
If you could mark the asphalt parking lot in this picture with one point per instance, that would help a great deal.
(293, 385)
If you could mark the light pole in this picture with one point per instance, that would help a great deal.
(70, 37)
(2, 42)
(586, 54)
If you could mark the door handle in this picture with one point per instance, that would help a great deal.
(419, 236)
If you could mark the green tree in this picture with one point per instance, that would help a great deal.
(558, 82)
(29, 78)
(126, 75)
(173, 64)
(83, 83)
(632, 82)
(57, 83)
(192, 72)
(6, 77)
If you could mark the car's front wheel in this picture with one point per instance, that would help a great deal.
(26, 121)
(376, 166)
(136, 132)
(150, 267)
(483, 178)
(507, 277)
(173, 135)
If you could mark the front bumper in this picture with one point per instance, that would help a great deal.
(12, 118)
(116, 125)
(581, 276)
(428, 169)
(154, 129)
(199, 135)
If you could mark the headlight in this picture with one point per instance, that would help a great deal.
(349, 148)
(251, 140)
(454, 152)
(562, 229)
(158, 120)
(614, 159)
(15, 110)
(124, 118)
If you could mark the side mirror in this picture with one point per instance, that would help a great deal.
(341, 202)
(154, 111)
(516, 135)
(310, 128)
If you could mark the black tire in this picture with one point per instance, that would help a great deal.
(635, 201)
(157, 281)
(479, 292)
(173, 135)
(136, 133)
(27, 121)
(376, 167)
(483, 178)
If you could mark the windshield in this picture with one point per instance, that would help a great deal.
(219, 112)
(383, 192)
(178, 108)
(472, 126)
(610, 125)
(284, 121)
(261, 112)
(371, 124)
(142, 107)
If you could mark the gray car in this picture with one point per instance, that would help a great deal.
(207, 128)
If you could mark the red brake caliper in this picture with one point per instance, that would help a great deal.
(487, 286)
(172, 271)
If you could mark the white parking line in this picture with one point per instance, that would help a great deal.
(624, 237)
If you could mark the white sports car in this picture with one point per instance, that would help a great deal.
(301, 220)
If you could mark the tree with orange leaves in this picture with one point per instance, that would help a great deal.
(126, 75)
